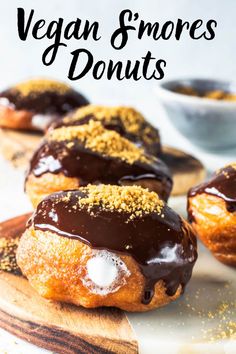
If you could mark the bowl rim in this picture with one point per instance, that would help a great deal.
(181, 97)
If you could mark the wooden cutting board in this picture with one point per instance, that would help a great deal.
(203, 320)
(62, 328)
(187, 171)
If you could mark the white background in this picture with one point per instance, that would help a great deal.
(185, 58)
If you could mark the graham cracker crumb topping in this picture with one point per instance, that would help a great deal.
(224, 169)
(232, 164)
(132, 121)
(98, 139)
(133, 200)
(41, 85)
(8, 249)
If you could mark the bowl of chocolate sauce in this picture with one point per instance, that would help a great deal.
(202, 110)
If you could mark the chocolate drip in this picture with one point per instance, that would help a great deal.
(163, 247)
(46, 102)
(91, 167)
(221, 185)
(117, 125)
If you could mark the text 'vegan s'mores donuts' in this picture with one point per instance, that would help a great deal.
(212, 213)
(34, 104)
(71, 157)
(126, 121)
(107, 246)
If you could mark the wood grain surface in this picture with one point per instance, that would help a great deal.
(18, 147)
(59, 327)
(187, 171)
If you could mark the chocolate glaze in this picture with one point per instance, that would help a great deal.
(222, 185)
(91, 167)
(179, 163)
(117, 125)
(164, 248)
(46, 102)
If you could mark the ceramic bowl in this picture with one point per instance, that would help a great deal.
(208, 123)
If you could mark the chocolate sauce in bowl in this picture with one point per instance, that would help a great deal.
(163, 246)
(222, 185)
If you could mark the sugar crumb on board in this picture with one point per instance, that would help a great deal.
(8, 248)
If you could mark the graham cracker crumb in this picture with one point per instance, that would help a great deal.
(8, 247)
(132, 200)
(218, 322)
(213, 94)
(224, 171)
(41, 85)
(232, 164)
(96, 138)
(132, 121)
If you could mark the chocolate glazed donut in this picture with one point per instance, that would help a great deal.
(96, 155)
(35, 104)
(221, 185)
(212, 212)
(126, 222)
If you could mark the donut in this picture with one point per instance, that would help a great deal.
(36, 103)
(126, 121)
(71, 157)
(212, 213)
(107, 245)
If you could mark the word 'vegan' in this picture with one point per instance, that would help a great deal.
(82, 63)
